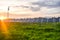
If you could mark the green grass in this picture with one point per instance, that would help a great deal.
(33, 31)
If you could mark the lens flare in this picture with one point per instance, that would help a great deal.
(4, 26)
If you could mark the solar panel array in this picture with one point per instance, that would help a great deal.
(53, 19)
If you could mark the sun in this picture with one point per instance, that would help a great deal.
(3, 18)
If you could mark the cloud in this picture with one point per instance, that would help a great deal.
(45, 10)
(35, 8)
(24, 6)
(42, 3)
(47, 3)
(32, 8)
(54, 10)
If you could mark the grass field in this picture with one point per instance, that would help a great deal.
(32, 31)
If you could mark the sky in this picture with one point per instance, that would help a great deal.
(30, 8)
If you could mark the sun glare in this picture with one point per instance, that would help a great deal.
(4, 26)
(3, 18)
